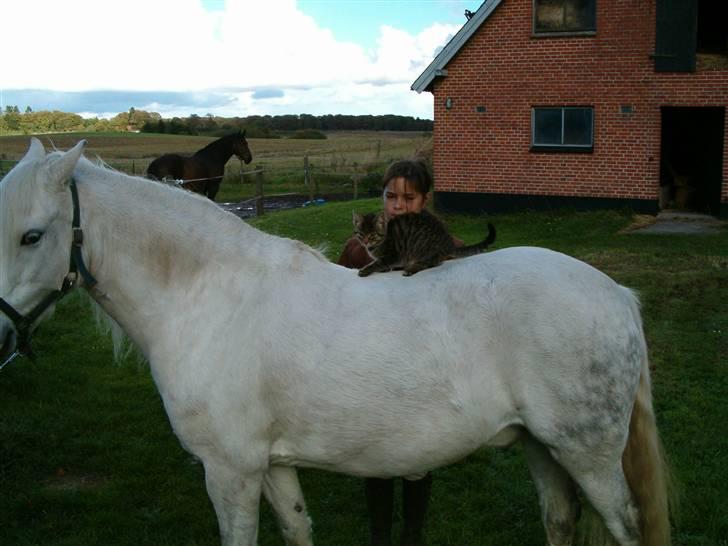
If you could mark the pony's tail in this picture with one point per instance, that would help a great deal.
(646, 469)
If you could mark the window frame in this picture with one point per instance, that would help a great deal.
(561, 147)
(563, 32)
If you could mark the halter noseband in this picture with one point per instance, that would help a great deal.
(23, 324)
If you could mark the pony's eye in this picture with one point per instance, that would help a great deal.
(31, 237)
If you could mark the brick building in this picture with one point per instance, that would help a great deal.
(584, 103)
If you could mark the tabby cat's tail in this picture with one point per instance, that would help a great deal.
(477, 248)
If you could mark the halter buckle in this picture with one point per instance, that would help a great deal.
(77, 238)
(69, 281)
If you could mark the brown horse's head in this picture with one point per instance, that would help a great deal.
(240, 147)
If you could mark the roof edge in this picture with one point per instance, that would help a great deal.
(437, 66)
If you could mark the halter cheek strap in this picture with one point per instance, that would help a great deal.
(24, 323)
(77, 264)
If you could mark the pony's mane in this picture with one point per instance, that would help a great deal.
(122, 344)
(232, 230)
(177, 197)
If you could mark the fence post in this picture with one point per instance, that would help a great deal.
(307, 178)
(259, 192)
(355, 178)
(133, 169)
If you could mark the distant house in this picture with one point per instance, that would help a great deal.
(584, 103)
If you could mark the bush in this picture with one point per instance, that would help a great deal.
(258, 131)
(310, 134)
(371, 184)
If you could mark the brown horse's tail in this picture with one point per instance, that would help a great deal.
(477, 248)
(646, 469)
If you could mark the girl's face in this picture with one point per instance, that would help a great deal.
(401, 197)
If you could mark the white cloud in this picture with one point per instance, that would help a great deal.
(176, 45)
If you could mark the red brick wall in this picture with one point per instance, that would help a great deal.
(508, 71)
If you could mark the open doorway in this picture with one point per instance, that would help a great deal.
(712, 35)
(691, 166)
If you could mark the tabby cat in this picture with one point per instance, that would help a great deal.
(412, 241)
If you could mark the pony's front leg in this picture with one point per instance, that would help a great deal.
(283, 492)
(235, 494)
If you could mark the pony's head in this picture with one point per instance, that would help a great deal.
(36, 215)
(240, 147)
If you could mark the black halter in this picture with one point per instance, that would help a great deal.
(24, 324)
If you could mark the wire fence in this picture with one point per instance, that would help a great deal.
(259, 183)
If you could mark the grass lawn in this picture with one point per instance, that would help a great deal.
(87, 456)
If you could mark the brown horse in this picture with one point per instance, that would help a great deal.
(203, 171)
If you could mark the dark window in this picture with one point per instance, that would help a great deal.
(675, 35)
(713, 27)
(564, 15)
(562, 129)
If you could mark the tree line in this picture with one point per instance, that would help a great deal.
(13, 121)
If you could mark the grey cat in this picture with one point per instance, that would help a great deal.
(412, 242)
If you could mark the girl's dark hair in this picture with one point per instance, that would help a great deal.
(415, 171)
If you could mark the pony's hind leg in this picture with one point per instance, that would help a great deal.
(557, 496)
(600, 476)
(281, 488)
(606, 489)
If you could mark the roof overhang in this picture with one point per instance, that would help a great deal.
(436, 68)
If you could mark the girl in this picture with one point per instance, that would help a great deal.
(407, 186)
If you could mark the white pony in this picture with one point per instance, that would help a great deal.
(268, 357)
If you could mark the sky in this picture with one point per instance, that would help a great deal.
(227, 58)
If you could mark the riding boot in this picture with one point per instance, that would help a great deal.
(380, 495)
(415, 500)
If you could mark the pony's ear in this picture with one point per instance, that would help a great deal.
(355, 218)
(59, 169)
(35, 150)
(243, 133)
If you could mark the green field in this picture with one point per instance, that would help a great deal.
(87, 456)
(332, 162)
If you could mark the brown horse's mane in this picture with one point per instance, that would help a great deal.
(216, 145)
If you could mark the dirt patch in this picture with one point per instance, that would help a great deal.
(678, 222)
(246, 209)
(639, 221)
